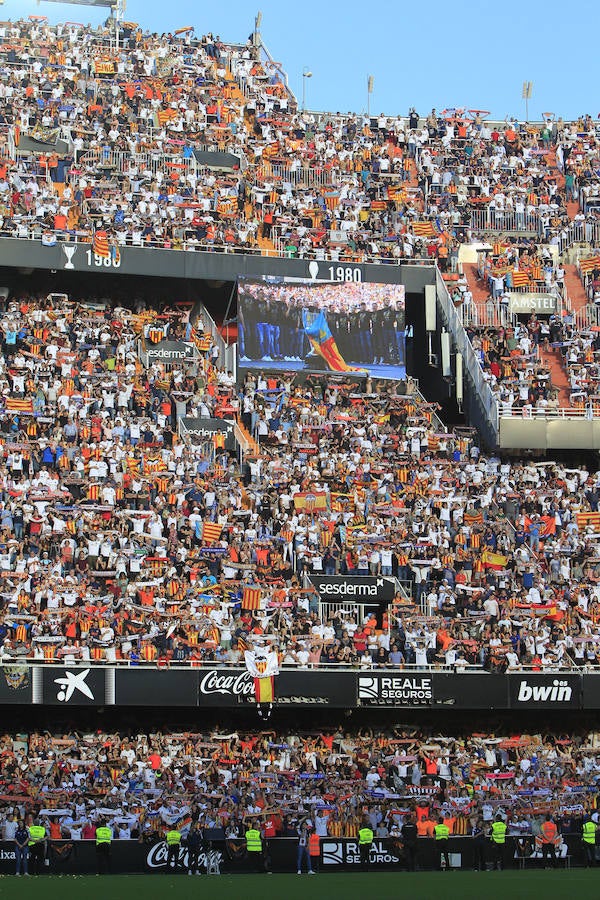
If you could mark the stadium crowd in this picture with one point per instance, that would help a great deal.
(104, 138)
(125, 541)
(143, 784)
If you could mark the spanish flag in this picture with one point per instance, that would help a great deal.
(322, 341)
(264, 689)
(305, 501)
(263, 668)
(493, 560)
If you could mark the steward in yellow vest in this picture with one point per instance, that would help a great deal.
(365, 841)
(173, 838)
(104, 837)
(254, 847)
(498, 836)
(441, 833)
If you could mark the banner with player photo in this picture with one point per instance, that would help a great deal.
(297, 325)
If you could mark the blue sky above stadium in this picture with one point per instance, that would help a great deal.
(423, 55)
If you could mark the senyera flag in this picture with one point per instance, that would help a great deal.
(424, 229)
(16, 405)
(323, 342)
(586, 519)
(211, 532)
(251, 598)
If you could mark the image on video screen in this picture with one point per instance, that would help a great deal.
(305, 326)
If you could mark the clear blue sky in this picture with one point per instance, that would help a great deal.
(435, 54)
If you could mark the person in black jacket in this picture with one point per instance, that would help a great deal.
(194, 844)
(409, 839)
(479, 846)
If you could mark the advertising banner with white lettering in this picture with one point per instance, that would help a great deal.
(542, 304)
(168, 352)
(356, 588)
(395, 690)
(74, 686)
(229, 856)
(225, 687)
(201, 430)
(535, 691)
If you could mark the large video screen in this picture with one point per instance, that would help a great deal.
(306, 326)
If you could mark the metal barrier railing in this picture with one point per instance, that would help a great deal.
(306, 176)
(579, 233)
(563, 412)
(123, 162)
(504, 220)
(587, 317)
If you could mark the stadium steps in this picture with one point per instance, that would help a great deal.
(480, 293)
(552, 360)
(413, 180)
(265, 243)
(575, 289)
(245, 439)
(572, 206)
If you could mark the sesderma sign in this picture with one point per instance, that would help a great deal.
(376, 589)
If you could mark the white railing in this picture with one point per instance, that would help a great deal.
(579, 233)
(306, 176)
(123, 162)
(505, 220)
(485, 314)
(562, 412)
(587, 317)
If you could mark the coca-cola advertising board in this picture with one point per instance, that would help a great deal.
(225, 687)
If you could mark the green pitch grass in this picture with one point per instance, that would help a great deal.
(347, 886)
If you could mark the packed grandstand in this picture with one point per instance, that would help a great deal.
(164, 510)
